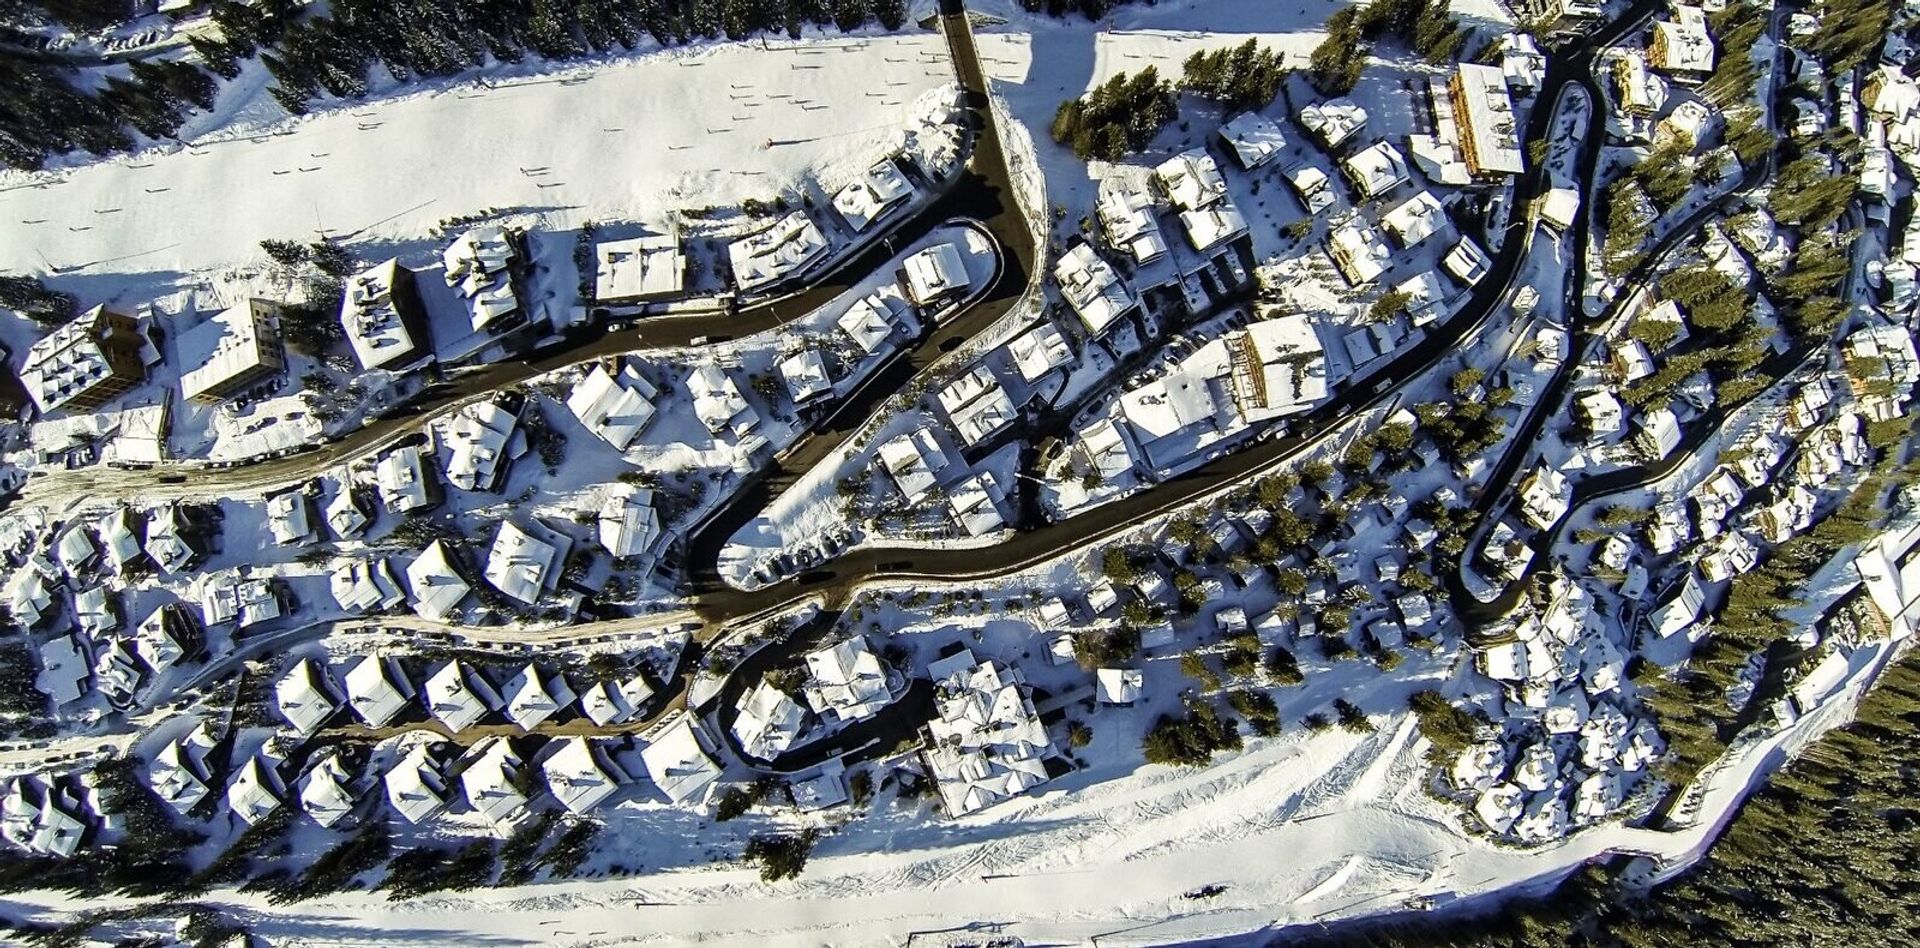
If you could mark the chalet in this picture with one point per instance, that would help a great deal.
(1334, 121)
(769, 722)
(1092, 288)
(1129, 223)
(1375, 170)
(616, 408)
(782, 252)
(483, 265)
(986, 742)
(1254, 139)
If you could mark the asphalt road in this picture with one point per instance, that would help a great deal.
(1498, 492)
(839, 577)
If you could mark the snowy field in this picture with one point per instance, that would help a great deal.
(631, 138)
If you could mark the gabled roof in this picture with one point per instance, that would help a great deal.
(372, 694)
(437, 586)
(576, 776)
(531, 697)
(305, 696)
(415, 788)
(677, 764)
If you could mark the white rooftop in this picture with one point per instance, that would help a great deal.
(616, 409)
(437, 587)
(1254, 138)
(1092, 288)
(643, 268)
(777, 253)
(872, 196)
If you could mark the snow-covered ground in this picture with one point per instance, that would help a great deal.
(638, 137)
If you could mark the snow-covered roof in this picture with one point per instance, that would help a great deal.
(1467, 262)
(1490, 139)
(29, 593)
(1376, 169)
(718, 402)
(805, 372)
(305, 696)
(1521, 61)
(1602, 411)
(1415, 219)
(1191, 180)
(1683, 43)
(177, 772)
(1641, 93)
(1209, 227)
(643, 268)
(232, 349)
(490, 780)
(373, 695)
(615, 702)
(1105, 450)
(437, 586)
(254, 793)
(770, 722)
(1333, 121)
(361, 586)
(325, 791)
(1279, 367)
(987, 742)
(227, 596)
(530, 697)
(846, 681)
(83, 362)
(415, 788)
(869, 321)
(976, 501)
(1127, 217)
(95, 611)
(479, 265)
(380, 313)
(977, 405)
(290, 517)
(872, 196)
(627, 524)
(458, 697)
(1092, 288)
(1544, 496)
(483, 438)
(117, 536)
(576, 776)
(1168, 405)
(1254, 138)
(524, 561)
(780, 252)
(76, 550)
(1039, 351)
(405, 476)
(615, 408)
(1312, 185)
(1119, 685)
(935, 273)
(677, 763)
(345, 517)
(1680, 610)
(163, 636)
(1358, 251)
(914, 461)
